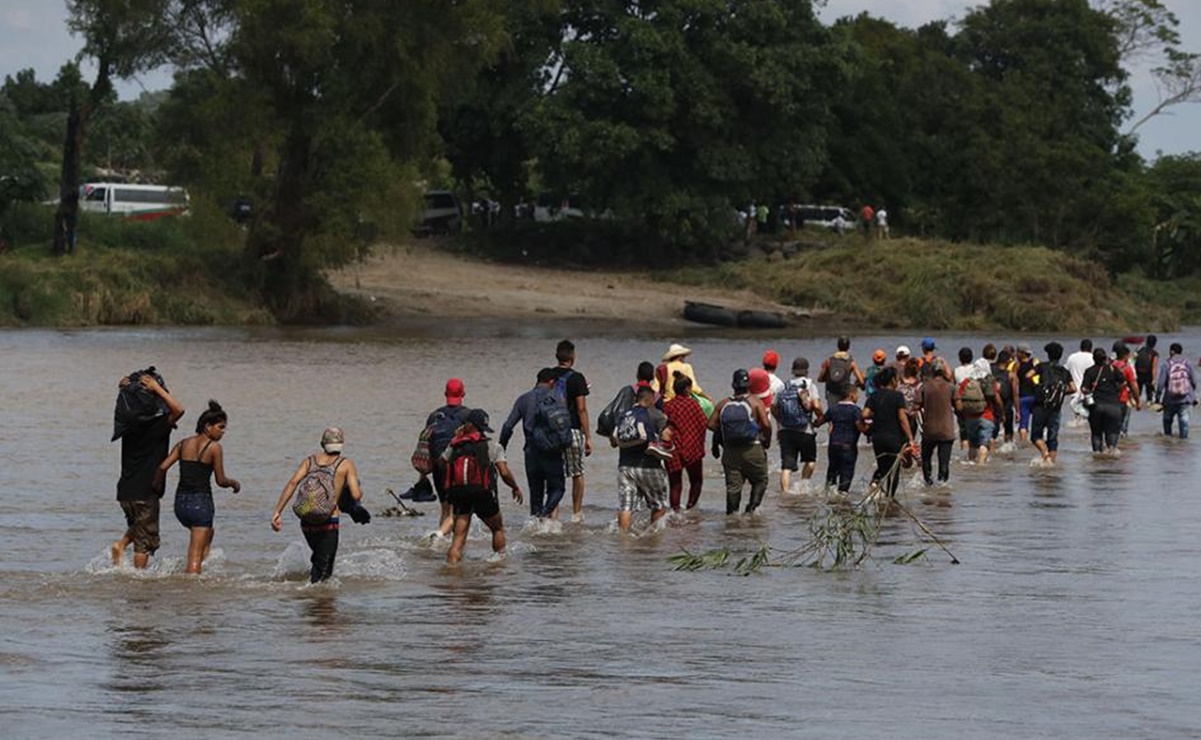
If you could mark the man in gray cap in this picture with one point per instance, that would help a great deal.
(741, 426)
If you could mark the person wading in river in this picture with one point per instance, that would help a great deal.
(573, 387)
(144, 445)
(741, 427)
(440, 427)
(544, 444)
(320, 478)
(471, 463)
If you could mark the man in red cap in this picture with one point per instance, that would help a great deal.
(442, 423)
(771, 361)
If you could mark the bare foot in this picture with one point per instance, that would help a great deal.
(117, 551)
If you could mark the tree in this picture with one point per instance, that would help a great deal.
(123, 38)
(670, 112)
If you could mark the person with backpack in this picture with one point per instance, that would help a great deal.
(839, 372)
(1054, 387)
(1146, 366)
(471, 464)
(200, 459)
(1176, 390)
(1130, 393)
(1103, 385)
(795, 408)
(546, 424)
(689, 424)
(891, 433)
(317, 485)
(623, 400)
(642, 436)
(741, 435)
(932, 362)
(1001, 366)
(145, 415)
(1025, 374)
(572, 387)
(979, 408)
(439, 429)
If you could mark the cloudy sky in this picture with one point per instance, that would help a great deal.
(33, 34)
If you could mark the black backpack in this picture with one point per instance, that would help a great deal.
(1052, 387)
(1143, 359)
(837, 373)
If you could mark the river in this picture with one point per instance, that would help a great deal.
(1073, 613)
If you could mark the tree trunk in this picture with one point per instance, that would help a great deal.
(66, 218)
(275, 245)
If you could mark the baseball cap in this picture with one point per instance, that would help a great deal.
(332, 440)
(760, 384)
(1024, 348)
(903, 350)
(927, 343)
(478, 418)
(771, 360)
(455, 392)
(742, 381)
(879, 356)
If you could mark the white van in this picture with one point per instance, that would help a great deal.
(835, 218)
(134, 202)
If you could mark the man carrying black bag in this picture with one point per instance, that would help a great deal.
(145, 415)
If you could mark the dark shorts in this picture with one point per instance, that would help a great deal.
(794, 443)
(194, 509)
(468, 501)
(1044, 422)
(141, 524)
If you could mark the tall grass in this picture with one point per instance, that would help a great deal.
(911, 283)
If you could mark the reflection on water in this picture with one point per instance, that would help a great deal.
(1073, 613)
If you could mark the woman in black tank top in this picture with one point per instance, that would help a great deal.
(200, 459)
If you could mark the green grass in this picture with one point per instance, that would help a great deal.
(182, 271)
(912, 283)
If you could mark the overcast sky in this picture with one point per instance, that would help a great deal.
(33, 34)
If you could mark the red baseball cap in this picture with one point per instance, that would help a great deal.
(761, 385)
(771, 360)
(455, 392)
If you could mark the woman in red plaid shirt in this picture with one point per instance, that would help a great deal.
(689, 424)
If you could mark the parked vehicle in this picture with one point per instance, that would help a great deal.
(442, 214)
(835, 218)
(134, 202)
(552, 207)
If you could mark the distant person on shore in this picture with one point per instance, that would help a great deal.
(867, 218)
(1176, 390)
(689, 425)
(146, 414)
(741, 434)
(440, 426)
(317, 485)
(546, 424)
(846, 424)
(839, 372)
(572, 386)
(1146, 366)
(882, 231)
(201, 459)
(640, 435)
(795, 410)
(675, 360)
(1054, 387)
(472, 463)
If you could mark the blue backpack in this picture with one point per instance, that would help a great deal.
(738, 423)
(790, 407)
(552, 422)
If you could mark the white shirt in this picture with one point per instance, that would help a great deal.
(882, 217)
(962, 373)
(1077, 363)
(774, 384)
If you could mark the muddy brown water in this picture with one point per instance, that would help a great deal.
(1074, 612)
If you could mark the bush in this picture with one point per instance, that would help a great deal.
(28, 223)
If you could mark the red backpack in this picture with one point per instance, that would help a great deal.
(470, 467)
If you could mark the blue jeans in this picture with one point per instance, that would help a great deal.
(1179, 411)
(544, 475)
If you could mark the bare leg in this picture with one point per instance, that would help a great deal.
(807, 470)
(577, 494)
(141, 560)
(623, 520)
(658, 514)
(982, 456)
(117, 551)
(462, 523)
(198, 548)
(447, 523)
(785, 475)
(497, 525)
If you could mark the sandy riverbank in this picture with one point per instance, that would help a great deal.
(421, 280)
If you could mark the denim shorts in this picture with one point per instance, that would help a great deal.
(980, 431)
(194, 509)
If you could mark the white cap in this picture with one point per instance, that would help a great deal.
(903, 350)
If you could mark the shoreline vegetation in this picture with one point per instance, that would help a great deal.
(187, 272)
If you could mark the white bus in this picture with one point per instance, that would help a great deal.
(134, 202)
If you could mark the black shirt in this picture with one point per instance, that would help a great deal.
(575, 386)
(142, 450)
(1108, 388)
(636, 457)
(885, 403)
